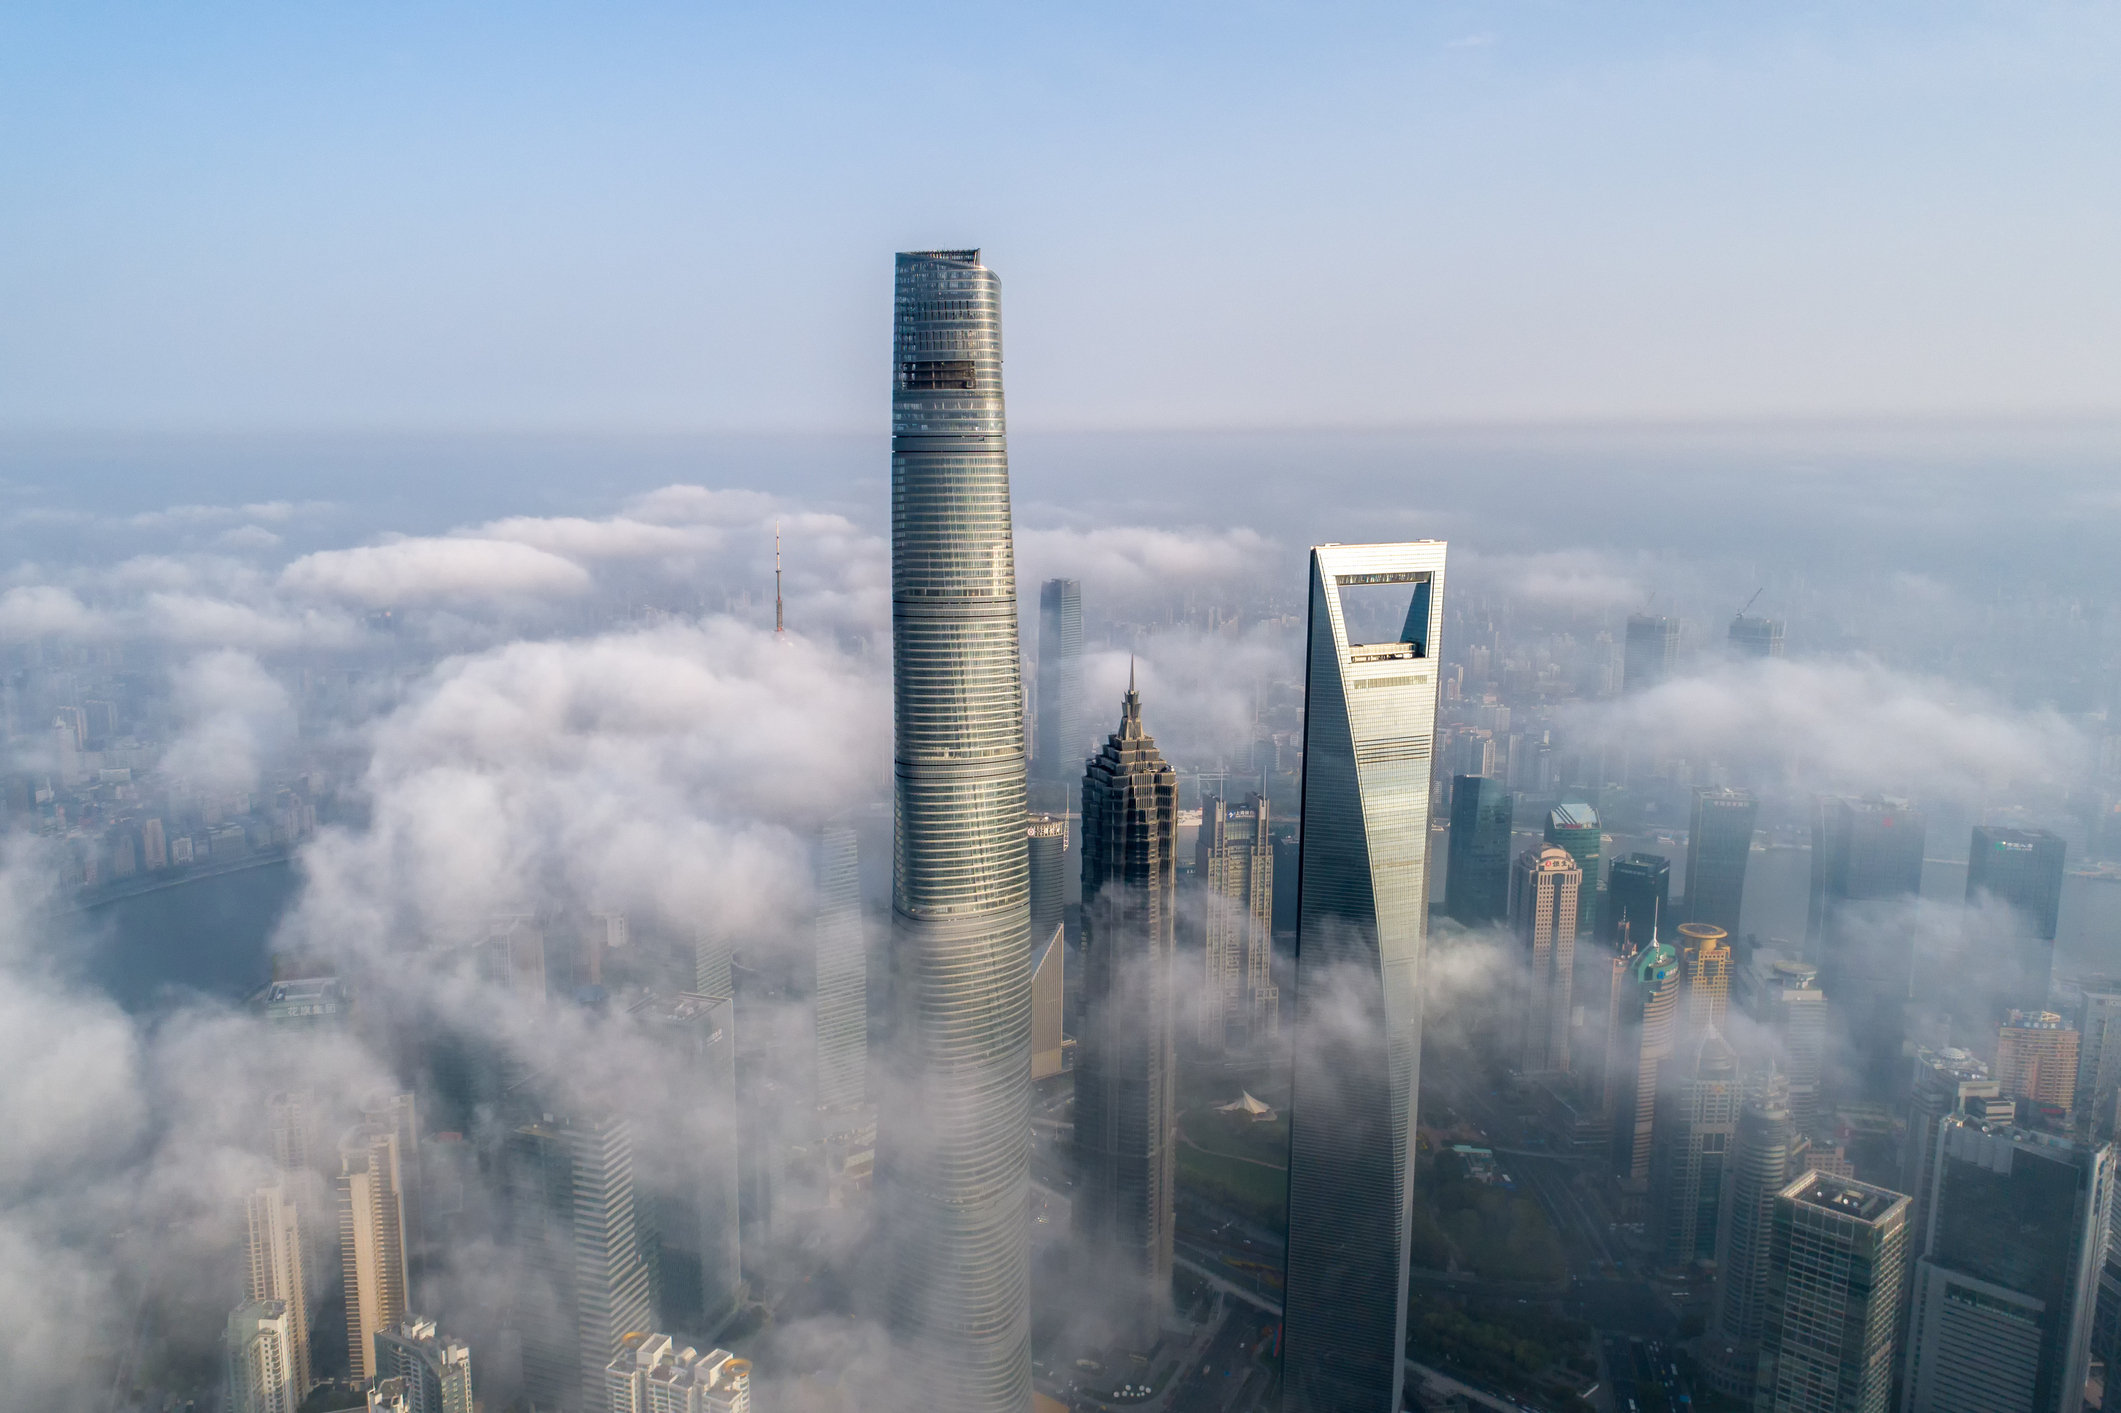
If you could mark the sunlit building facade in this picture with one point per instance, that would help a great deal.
(953, 1163)
(1369, 723)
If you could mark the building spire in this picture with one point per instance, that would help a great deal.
(780, 627)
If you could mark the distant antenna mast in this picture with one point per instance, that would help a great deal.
(780, 626)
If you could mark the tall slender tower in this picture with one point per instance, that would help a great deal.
(1758, 1169)
(371, 1236)
(1125, 1096)
(1543, 897)
(275, 1250)
(953, 1162)
(1837, 1272)
(1362, 928)
(1060, 682)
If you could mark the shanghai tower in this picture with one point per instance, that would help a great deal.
(953, 1159)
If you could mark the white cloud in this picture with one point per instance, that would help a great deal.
(1576, 579)
(415, 571)
(1117, 560)
(234, 715)
(247, 537)
(40, 610)
(698, 505)
(619, 538)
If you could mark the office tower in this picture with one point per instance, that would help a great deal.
(261, 1373)
(399, 1113)
(434, 1373)
(154, 845)
(288, 1118)
(572, 1220)
(1837, 1270)
(1757, 1168)
(651, 1374)
(303, 1003)
(1651, 653)
(1866, 862)
(1784, 999)
(1370, 714)
(1704, 979)
(1719, 844)
(691, 1203)
(1543, 900)
(953, 1176)
(1945, 1082)
(713, 952)
(1477, 873)
(1638, 892)
(1049, 1001)
(274, 1250)
(2005, 1288)
(1601, 996)
(371, 1235)
(2036, 1060)
(1642, 1046)
(1696, 1116)
(2098, 1016)
(511, 958)
(1234, 869)
(1046, 837)
(2022, 869)
(1756, 637)
(1574, 827)
(840, 998)
(1125, 1101)
(1062, 729)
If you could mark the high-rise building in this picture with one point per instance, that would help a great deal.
(651, 1374)
(1837, 1272)
(2036, 1060)
(1696, 1114)
(1638, 892)
(1234, 870)
(1945, 1081)
(1049, 999)
(690, 1202)
(2005, 1289)
(574, 1225)
(1543, 901)
(2022, 869)
(1641, 1047)
(289, 1115)
(1866, 861)
(1046, 838)
(1756, 637)
(261, 1373)
(840, 1000)
(2098, 1017)
(953, 1169)
(275, 1249)
(1757, 1168)
(1369, 719)
(1477, 874)
(1704, 980)
(435, 1372)
(1126, 1117)
(1782, 996)
(1574, 826)
(372, 1180)
(1719, 845)
(1651, 653)
(1063, 731)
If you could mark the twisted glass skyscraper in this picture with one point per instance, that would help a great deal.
(953, 1160)
(1363, 909)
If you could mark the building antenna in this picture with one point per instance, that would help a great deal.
(780, 627)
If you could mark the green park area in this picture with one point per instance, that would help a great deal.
(1461, 1224)
(1525, 1348)
(1235, 1160)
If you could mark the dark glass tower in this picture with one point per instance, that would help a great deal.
(2006, 1286)
(953, 1162)
(1060, 681)
(1866, 858)
(1477, 877)
(1125, 1095)
(1048, 839)
(1719, 845)
(1639, 890)
(2021, 868)
(1756, 637)
(1362, 908)
(1652, 651)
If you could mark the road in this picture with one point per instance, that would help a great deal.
(1444, 1383)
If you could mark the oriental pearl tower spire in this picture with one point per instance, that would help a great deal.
(953, 1160)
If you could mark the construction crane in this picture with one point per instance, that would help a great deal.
(1749, 602)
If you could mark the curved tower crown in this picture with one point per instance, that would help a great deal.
(953, 1172)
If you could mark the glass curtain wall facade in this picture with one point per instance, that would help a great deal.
(953, 1161)
(1719, 845)
(1060, 682)
(1477, 878)
(1362, 929)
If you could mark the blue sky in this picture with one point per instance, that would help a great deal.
(1205, 216)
